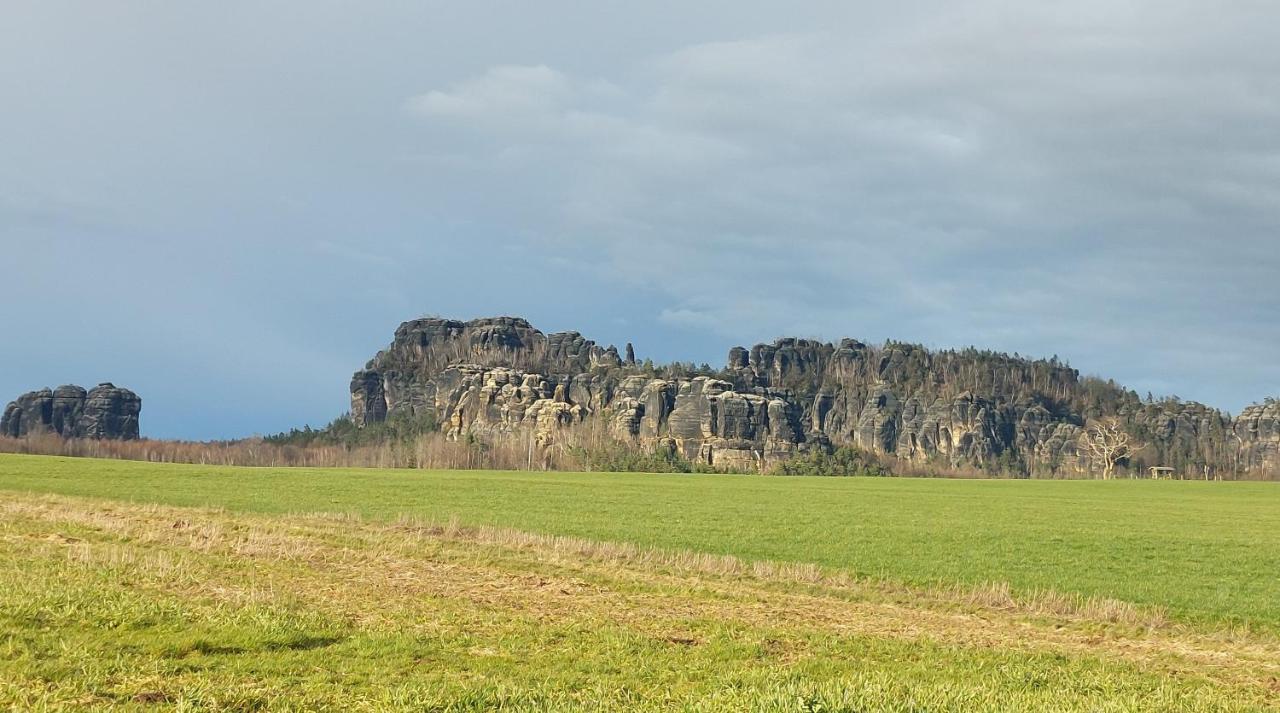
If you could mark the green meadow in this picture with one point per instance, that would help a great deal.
(132, 586)
(1203, 551)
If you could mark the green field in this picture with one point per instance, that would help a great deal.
(134, 585)
(1204, 551)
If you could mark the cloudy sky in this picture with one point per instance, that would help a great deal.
(230, 206)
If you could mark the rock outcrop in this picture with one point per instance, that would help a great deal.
(402, 378)
(104, 412)
(1256, 433)
(497, 376)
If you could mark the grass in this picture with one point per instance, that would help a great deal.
(1204, 553)
(135, 586)
(110, 605)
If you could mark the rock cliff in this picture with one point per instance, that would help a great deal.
(1257, 437)
(495, 376)
(104, 412)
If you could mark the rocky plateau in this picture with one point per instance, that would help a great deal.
(499, 377)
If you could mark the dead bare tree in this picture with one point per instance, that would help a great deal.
(1107, 444)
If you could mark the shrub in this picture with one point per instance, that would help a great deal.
(841, 461)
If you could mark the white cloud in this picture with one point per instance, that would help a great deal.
(507, 93)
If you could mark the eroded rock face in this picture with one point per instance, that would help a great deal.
(104, 412)
(400, 378)
(1257, 435)
(501, 376)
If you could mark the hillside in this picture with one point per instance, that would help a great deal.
(496, 378)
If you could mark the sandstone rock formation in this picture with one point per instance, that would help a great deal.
(1256, 433)
(402, 378)
(104, 412)
(498, 376)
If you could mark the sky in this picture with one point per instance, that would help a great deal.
(229, 207)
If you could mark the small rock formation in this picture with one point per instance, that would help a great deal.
(500, 375)
(104, 412)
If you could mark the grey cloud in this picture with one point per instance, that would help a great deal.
(1096, 180)
(271, 189)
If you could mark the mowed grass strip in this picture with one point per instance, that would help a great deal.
(105, 605)
(1203, 552)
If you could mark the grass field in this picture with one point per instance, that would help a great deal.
(134, 585)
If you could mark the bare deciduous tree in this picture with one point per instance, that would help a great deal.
(1107, 444)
